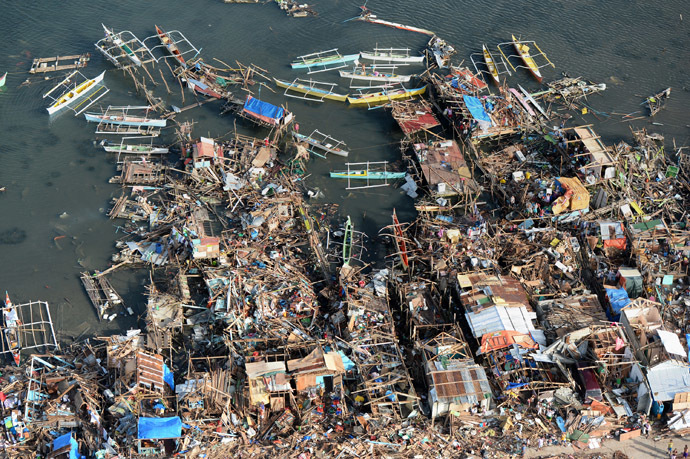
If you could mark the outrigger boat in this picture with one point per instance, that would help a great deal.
(125, 120)
(357, 73)
(347, 242)
(79, 91)
(122, 45)
(523, 51)
(317, 93)
(658, 101)
(323, 59)
(441, 50)
(136, 149)
(171, 46)
(3, 79)
(323, 142)
(11, 329)
(491, 64)
(400, 241)
(401, 55)
(385, 96)
(368, 175)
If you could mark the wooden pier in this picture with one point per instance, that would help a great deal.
(54, 64)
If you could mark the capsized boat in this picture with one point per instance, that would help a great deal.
(367, 16)
(122, 45)
(75, 93)
(385, 96)
(310, 90)
(171, 46)
(3, 79)
(534, 102)
(11, 325)
(523, 51)
(359, 73)
(125, 120)
(368, 175)
(522, 101)
(490, 64)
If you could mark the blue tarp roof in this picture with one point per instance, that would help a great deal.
(64, 440)
(619, 299)
(155, 428)
(476, 108)
(263, 108)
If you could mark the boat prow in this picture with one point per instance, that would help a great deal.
(523, 51)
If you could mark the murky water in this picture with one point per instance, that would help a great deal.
(57, 180)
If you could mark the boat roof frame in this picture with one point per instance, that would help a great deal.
(368, 185)
(33, 323)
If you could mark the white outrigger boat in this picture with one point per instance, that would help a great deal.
(75, 93)
(399, 55)
(11, 329)
(373, 74)
(122, 45)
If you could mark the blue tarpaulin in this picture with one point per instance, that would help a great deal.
(476, 108)
(263, 108)
(156, 428)
(64, 440)
(619, 299)
(168, 376)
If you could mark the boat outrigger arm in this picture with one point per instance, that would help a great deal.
(540, 54)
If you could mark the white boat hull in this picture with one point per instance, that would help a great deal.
(381, 78)
(56, 108)
(391, 58)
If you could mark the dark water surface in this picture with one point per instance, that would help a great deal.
(51, 167)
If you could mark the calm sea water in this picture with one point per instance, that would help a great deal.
(57, 180)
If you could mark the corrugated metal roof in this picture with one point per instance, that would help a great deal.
(499, 318)
(667, 379)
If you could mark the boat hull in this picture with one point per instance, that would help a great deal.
(81, 90)
(384, 78)
(491, 65)
(311, 91)
(523, 52)
(134, 149)
(387, 57)
(382, 96)
(317, 144)
(3, 79)
(317, 62)
(124, 121)
(170, 46)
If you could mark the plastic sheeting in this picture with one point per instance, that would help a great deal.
(156, 428)
(64, 440)
(474, 105)
(260, 108)
(619, 299)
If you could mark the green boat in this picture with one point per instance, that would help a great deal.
(368, 175)
(347, 242)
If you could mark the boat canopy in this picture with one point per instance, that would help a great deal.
(263, 109)
(474, 105)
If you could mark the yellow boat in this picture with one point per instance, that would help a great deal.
(523, 51)
(75, 93)
(311, 91)
(385, 96)
(490, 64)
